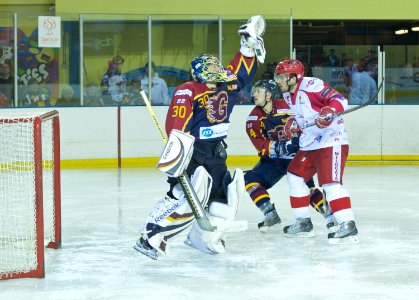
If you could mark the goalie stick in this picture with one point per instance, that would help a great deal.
(348, 110)
(184, 180)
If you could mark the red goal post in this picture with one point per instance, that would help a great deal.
(30, 191)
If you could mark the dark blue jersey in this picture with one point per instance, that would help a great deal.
(205, 113)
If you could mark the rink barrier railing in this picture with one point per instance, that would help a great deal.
(147, 162)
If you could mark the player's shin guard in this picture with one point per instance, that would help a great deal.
(219, 214)
(171, 216)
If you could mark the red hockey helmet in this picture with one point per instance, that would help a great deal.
(291, 66)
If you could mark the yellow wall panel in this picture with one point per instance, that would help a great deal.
(302, 9)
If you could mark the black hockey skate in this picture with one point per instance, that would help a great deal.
(347, 233)
(301, 228)
(271, 219)
(145, 248)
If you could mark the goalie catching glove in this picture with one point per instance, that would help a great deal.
(251, 41)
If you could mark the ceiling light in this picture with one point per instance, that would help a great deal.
(401, 31)
(415, 28)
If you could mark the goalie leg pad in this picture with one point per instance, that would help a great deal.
(219, 213)
(171, 216)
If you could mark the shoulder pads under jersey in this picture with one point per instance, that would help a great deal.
(311, 84)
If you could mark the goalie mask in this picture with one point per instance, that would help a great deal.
(264, 86)
(208, 69)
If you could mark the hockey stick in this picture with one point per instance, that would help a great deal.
(184, 180)
(348, 110)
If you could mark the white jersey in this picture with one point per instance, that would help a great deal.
(310, 96)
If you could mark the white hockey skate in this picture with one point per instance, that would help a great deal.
(347, 233)
(301, 228)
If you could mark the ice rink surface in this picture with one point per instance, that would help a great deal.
(103, 209)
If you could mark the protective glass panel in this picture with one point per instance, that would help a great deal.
(114, 50)
(276, 40)
(351, 69)
(402, 74)
(6, 60)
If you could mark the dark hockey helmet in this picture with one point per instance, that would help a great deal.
(290, 67)
(269, 85)
(207, 68)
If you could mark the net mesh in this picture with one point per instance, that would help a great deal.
(18, 225)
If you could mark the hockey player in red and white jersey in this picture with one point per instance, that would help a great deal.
(202, 108)
(323, 150)
(264, 127)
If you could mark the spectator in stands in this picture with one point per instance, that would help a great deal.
(92, 95)
(34, 96)
(159, 91)
(104, 91)
(331, 60)
(67, 97)
(363, 86)
(6, 79)
(270, 70)
(118, 90)
(4, 102)
(244, 96)
(342, 60)
(134, 93)
(110, 79)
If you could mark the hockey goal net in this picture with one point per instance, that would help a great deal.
(30, 197)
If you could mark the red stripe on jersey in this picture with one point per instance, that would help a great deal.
(297, 202)
(337, 105)
(340, 204)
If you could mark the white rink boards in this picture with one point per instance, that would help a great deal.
(103, 209)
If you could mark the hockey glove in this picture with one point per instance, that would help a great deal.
(251, 41)
(291, 129)
(286, 148)
(326, 116)
(255, 27)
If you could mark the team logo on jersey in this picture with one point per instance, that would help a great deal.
(183, 92)
(276, 133)
(207, 132)
(217, 107)
(215, 131)
(301, 100)
(326, 91)
(318, 138)
(310, 82)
